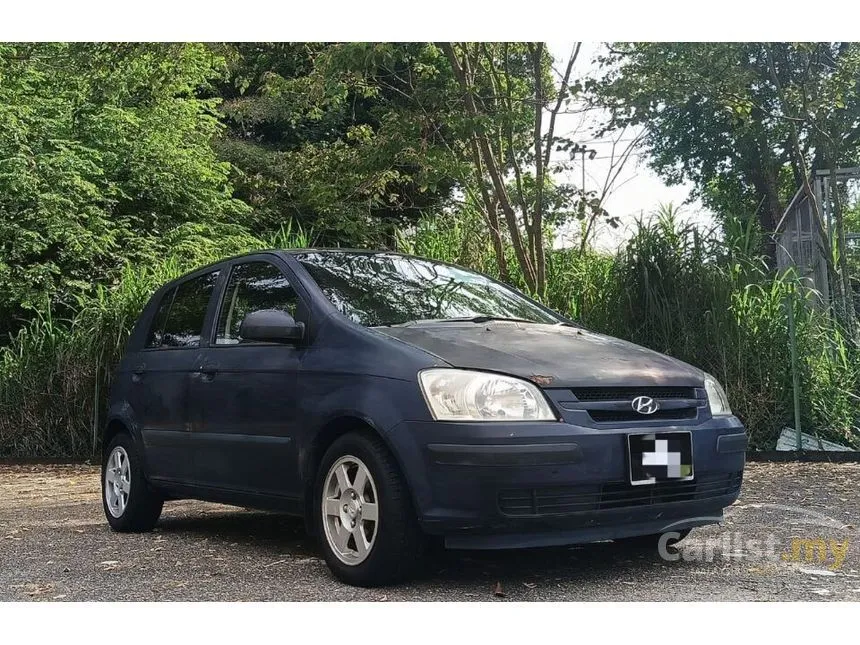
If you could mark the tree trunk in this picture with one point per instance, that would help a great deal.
(482, 152)
(536, 225)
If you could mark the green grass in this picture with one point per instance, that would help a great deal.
(705, 300)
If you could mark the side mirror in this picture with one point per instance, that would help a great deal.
(271, 326)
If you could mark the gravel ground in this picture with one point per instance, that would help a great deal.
(55, 545)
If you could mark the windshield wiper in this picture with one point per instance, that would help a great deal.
(476, 319)
(483, 319)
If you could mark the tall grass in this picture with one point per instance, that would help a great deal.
(708, 300)
(701, 298)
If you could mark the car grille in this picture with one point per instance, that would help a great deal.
(562, 500)
(630, 393)
(613, 404)
(605, 416)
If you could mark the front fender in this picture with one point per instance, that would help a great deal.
(380, 403)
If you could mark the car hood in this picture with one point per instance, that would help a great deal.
(549, 355)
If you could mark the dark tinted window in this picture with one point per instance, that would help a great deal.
(389, 289)
(184, 322)
(252, 287)
(156, 329)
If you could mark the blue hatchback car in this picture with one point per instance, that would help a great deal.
(390, 400)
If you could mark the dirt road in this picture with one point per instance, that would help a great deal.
(791, 536)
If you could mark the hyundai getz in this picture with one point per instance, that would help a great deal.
(391, 400)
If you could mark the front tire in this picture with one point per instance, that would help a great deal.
(368, 529)
(129, 503)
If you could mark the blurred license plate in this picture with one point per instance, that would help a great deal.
(660, 456)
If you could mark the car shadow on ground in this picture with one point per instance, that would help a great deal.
(247, 528)
(272, 536)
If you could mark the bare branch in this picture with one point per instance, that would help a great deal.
(463, 74)
(562, 94)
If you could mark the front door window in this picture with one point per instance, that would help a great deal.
(252, 287)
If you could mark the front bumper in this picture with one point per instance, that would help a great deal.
(510, 485)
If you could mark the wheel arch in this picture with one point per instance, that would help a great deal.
(113, 428)
(116, 424)
(120, 418)
(328, 433)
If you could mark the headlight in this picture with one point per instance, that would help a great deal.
(463, 395)
(716, 397)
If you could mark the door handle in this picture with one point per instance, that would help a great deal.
(137, 373)
(208, 372)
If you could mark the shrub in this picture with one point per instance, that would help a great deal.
(674, 289)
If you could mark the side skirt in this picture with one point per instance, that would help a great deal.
(265, 502)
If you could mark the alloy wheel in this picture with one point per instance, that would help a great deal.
(350, 510)
(117, 481)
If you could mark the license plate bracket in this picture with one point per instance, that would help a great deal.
(660, 456)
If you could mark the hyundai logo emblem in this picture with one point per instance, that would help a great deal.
(645, 405)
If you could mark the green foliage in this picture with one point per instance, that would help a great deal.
(118, 164)
(390, 122)
(673, 289)
(104, 148)
(720, 115)
(341, 138)
(55, 374)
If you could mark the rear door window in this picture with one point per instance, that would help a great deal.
(185, 313)
(253, 286)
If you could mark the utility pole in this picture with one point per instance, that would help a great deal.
(583, 150)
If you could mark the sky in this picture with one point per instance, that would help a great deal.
(638, 190)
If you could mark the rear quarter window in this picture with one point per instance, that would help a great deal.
(156, 328)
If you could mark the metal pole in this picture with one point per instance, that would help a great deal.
(96, 399)
(582, 186)
(583, 150)
(795, 377)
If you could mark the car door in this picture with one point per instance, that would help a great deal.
(161, 374)
(245, 391)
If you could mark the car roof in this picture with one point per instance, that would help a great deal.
(233, 258)
(349, 251)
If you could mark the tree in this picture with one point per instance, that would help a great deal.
(335, 136)
(716, 114)
(505, 90)
(405, 129)
(822, 97)
(104, 151)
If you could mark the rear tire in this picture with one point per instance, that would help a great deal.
(130, 504)
(358, 480)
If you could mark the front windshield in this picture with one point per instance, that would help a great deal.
(390, 289)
